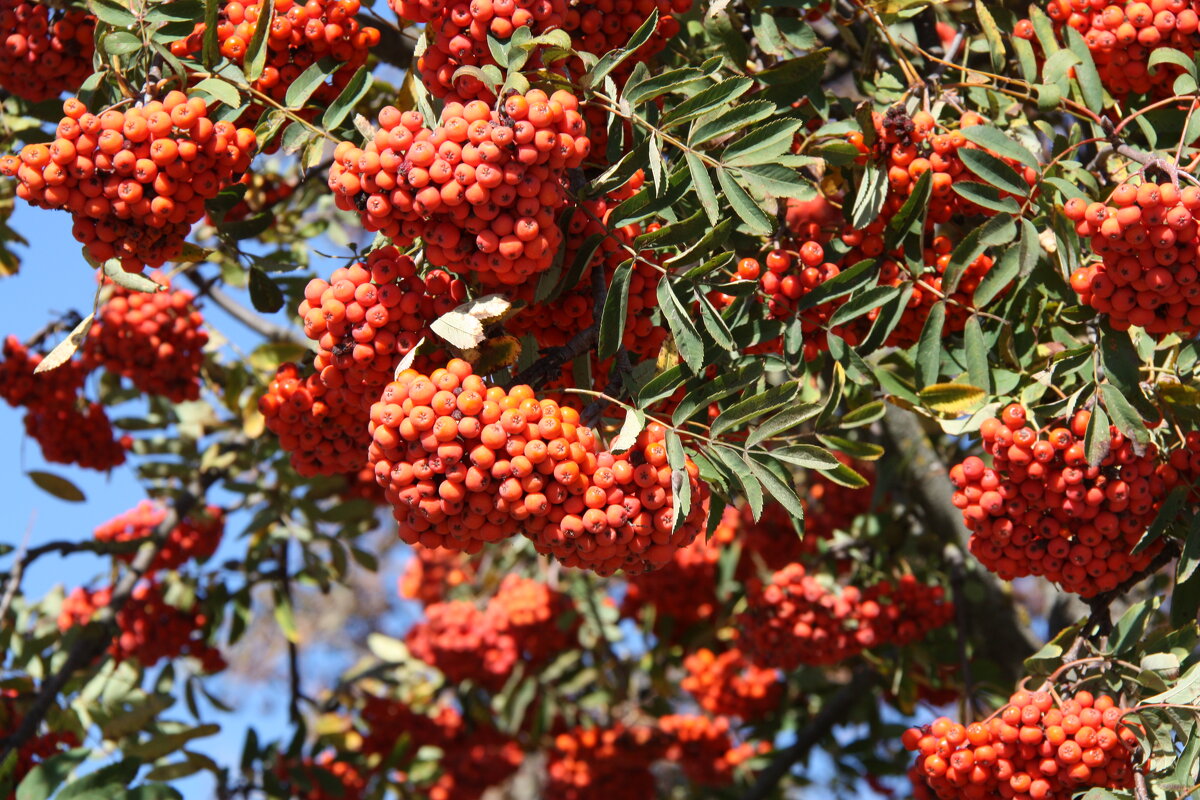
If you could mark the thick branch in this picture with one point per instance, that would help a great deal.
(251, 319)
(833, 712)
(555, 358)
(97, 636)
(1007, 642)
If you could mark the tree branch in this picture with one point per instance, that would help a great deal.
(832, 712)
(97, 636)
(251, 319)
(1007, 642)
(293, 651)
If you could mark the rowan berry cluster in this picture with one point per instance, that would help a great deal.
(481, 189)
(385, 721)
(795, 619)
(150, 628)
(47, 51)
(1041, 509)
(321, 778)
(1145, 236)
(301, 34)
(684, 591)
(1034, 748)
(730, 685)
(321, 428)
(463, 644)
(135, 180)
(431, 572)
(542, 621)
(194, 537)
(154, 339)
(1121, 37)
(601, 763)
(68, 428)
(262, 193)
(702, 746)
(772, 541)
(465, 464)
(37, 748)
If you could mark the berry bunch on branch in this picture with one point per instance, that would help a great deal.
(197, 536)
(133, 180)
(47, 50)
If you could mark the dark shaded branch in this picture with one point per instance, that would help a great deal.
(833, 712)
(293, 651)
(395, 46)
(99, 633)
(1007, 641)
(1100, 619)
(248, 317)
(555, 358)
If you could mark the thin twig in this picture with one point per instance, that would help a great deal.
(293, 651)
(14, 579)
(249, 318)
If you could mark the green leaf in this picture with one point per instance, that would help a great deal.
(119, 43)
(978, 371)
(1189, 560)
(112, 12)
(929, 346)
(911, 213)
(1128, 421)
(993, 171)
(743, 205)
(993, 139)
(211, 52)
(285, 619)
(1131, 627)
(849, 280)
(47, 776)
(1168, 512)
(108, 781)
(863, 451)
(779, 486)
(706, 101)
(709, 391)
(703, 186)
(683, 329)
(132, 281)
(1086, 75)
(741, 470)
(57, 486)
(844, 475)
(163, 744)
(713, 322)
(868, 200)
(863, 415)
(355, 90)
(783, 421)
(763, 144)
(681, 487)
(256, 51)
(264, 294)
(755, 406)
(1169, 55)
(307, 82)
(863, 303)
(985, 196)
(220, 90)
(991, 32)
(808, 456)
(996, 231)
(612, 317)
(738, 118)
(613, 58)
(661, 385)
(638, 91)
(1097, 440)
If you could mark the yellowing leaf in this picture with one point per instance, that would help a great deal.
(1178, 394)
(951, 398)
(63, 351)
(409, 357)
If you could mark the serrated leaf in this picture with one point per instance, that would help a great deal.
(464, 331)
(738, 118)
(912, 212)
(978, 371)
(613, 315)
(992, 138)
(356, 89)
(863, 303)
(108, 781)
(635, 421)
(163, 744)
(763, 144)
(783, 491)
(613, 58)
(683, 329)
(710, 391)
(307, 82)
(703, 186)
(743, 205)
(111, 12)
(133, 281)
(996, 231)
(844, 475)
(681, 487)
(1128, 421)
(993, 171)
(951, 398)
(868, 200)
(220, 90)
(751, 488)
(755, 406)
(929, 346)
(1097, 439)
(285, 619)
(43, 779)
(119, 43)
(256, 51)
(808, 456)
(708, 100)
(985, 196)
(856, 277)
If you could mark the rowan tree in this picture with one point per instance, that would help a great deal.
(727, 383)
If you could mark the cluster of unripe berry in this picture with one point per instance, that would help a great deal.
(465, 463)
(194, 537)
(156, 340)
(150, 628)
(134, 180)
(524, 621)
(482, 189)
(301, 34)
(365, 319)
(1121, 37)
(68, 428)
(1034, 748)
(796, 619)
(728, 684)
(1041, 509)
(37, 748)
(1148, 275)
(432, 572)
(47, 51)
